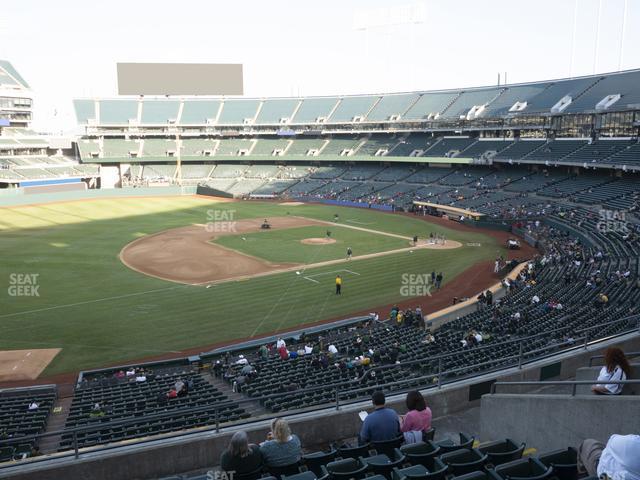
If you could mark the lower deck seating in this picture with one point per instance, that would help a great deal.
(18, 420)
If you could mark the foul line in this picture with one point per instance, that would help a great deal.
(359, 223)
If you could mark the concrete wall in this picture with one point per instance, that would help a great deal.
(554, 421)
(202, 450)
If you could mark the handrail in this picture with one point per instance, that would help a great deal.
(216, 408)
(626, 354)
(566, 383)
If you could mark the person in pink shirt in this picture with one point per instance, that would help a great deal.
(418, 417)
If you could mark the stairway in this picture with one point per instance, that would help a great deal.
(55, 423)
(254, 408)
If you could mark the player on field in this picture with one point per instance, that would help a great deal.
(338, 285)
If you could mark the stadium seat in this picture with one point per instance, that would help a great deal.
(308, 475)
(464, 461)
(523, 469)
(353, 452)
(449, 445)
(383, 464)
(563, 462)
(345, 469)
(314, 461)
(286, 470)
(438, 471)
(388, 447)
(502, 451)
(421, 453)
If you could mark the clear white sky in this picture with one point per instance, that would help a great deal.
(69, 48)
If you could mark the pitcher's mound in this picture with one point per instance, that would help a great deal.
(317, 241)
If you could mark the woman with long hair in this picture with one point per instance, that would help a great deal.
(281, 448)
(418, 417)
(616, 368)
(240, 456)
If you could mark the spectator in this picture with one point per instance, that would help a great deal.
(240, 457)
(33, 405)
(382, 424)
(281, 448)
(281, 343)
(332, 349)
(172, 393)
(620, 459)
(283, 352)
(263, 352)
(417, 419)
(616, 368)
(242, 360)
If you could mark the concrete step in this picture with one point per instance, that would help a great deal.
(56, 422)
(254, 407)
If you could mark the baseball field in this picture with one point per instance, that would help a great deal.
(106, 281)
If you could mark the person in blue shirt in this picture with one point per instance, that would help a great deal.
(382, 424)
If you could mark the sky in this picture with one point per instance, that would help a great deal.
(68, 49)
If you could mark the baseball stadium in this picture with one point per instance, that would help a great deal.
(430, 284)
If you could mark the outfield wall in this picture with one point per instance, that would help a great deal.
(18, 196)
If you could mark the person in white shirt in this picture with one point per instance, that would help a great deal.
(535, 299)
(619, 460)
(33, 406)
(308, 349)
(616, 368)
(280, 343)
(332, 349)
(241, 360)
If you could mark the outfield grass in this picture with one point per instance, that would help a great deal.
(99, 311)
(285, 246)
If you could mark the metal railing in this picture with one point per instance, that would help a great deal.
(339, 390)
(566, 383)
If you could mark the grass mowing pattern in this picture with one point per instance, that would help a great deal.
(99, 311)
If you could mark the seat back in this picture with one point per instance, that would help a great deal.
(285, 470)
(524, 469)
(428, 434)
(464, 461)
(249, 475)
(313, 461)
(346, 469)
(563, 462)
(502, 451)
(450, 446)
(353, 452)
(421, 453)
(388, 446)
